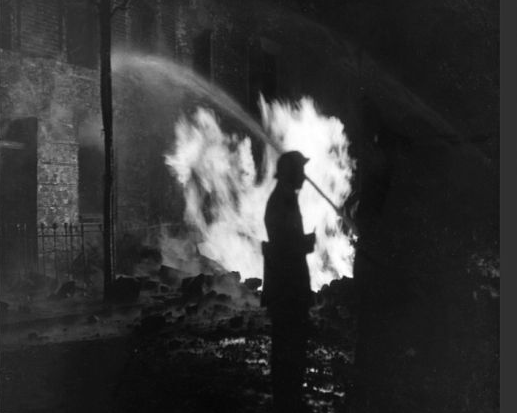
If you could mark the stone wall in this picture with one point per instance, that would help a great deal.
(58, 95)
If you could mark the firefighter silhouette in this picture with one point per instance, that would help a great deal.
(286, 292)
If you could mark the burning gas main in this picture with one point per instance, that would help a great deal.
(226, 205)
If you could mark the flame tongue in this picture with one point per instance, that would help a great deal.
(226, 206)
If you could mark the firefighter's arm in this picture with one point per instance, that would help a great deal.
(309, 241)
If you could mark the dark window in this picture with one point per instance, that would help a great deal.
(202, 62)
(6, 18)
(91, 169)
(262, 75)
(18, 169)
(144, 27)
(18, 193)
(81, 33)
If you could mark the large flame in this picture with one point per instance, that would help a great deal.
(226, 205)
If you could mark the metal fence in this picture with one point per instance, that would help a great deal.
(52, 250)
(66, 250)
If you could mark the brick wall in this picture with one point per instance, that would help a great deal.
(166, 30)
(54, 93)
(230, 59)
(7, 24)
(40, 27)
(143, 20)
(132, 172)
(119, 29)
(182, 33)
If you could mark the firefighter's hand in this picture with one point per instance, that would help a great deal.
(310, 240)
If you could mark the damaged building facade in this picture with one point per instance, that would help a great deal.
(50, 92)
(51, 153)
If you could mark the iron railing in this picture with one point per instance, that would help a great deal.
(55, 250)
(65, 250)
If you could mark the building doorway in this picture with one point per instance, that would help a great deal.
(18, 195)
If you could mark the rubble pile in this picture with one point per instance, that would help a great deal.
(223, 303)
(219, 302)
(213, 302)
(334, 313)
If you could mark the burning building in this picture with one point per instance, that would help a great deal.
(51, 132)
(51, 111)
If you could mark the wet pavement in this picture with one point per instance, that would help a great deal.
(87, 356)
(172, 371)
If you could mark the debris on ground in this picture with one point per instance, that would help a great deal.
(125, 289)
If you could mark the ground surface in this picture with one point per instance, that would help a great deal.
(83, 356)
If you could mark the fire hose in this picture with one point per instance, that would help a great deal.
(346, 221)
(342, 214)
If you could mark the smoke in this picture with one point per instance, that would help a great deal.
(226, 205)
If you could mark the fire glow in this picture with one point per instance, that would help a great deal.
(226, 205)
